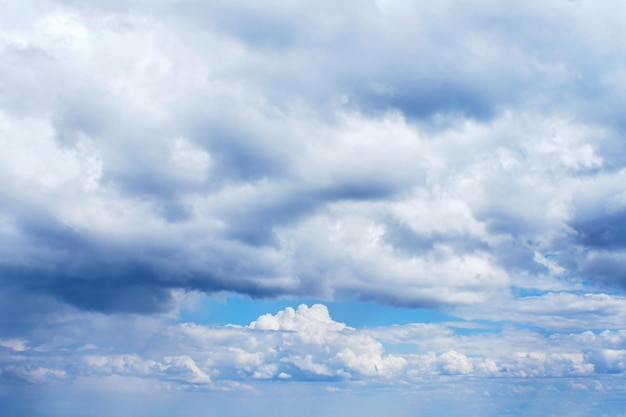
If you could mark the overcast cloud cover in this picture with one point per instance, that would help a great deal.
(463, 160)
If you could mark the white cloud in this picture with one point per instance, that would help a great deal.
(35, 375)
(452, 362)
(307, 344)
(557, 310)
(312, 322)
(16, 345)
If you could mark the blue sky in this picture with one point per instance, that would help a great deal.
(266, 207)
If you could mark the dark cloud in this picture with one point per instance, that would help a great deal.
(607, 231)
(92, 284)
(606, 268)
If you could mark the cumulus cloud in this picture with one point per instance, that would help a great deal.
(300, 344)
(452, 362)
(311, 331)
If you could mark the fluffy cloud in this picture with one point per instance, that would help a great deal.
(452, 362)
(301, 344)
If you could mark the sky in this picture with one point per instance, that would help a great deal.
(265, 208)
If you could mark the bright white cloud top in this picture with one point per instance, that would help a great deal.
(465, 162)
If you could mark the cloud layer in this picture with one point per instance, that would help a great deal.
(366, 151)
(301, 344)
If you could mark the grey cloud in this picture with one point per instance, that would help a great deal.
(103, 286)
(259, 25)
(411, 242)
(429, 99)
(368, 151)
(607, 268)
(486, 48)
(607, 231)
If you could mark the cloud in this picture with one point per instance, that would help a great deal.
(452, 362)
(556, 310)
(338, 168)
(343, 348)
(296, 345)
(16, 345)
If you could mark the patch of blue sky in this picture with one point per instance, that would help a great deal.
(526, 291)
(242, 310)
(586, 288)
